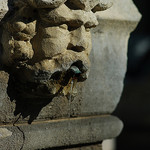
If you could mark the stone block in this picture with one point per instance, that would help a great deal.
(108, 57)
(102, 90)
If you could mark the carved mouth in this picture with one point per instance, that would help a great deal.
(45, 83)
(76, 70)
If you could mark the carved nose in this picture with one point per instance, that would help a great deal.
(78, 41)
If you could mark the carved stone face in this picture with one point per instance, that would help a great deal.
(46, 43)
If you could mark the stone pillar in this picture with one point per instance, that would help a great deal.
(80, 117)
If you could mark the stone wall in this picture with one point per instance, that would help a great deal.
(65, 120)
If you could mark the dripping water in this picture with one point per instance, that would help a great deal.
(70, 97)
(69, 105)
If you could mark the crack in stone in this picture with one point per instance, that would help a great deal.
(23, 135)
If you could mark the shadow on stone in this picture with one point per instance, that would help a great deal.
(26, 106)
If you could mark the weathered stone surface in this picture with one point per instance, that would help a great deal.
(87, 5)
(4, 133)
(46, 3)
(88, 147)
(3, 8)
(53, 41)
(109, 58)
(79, 40)
(6, 106)
(13, 141)
(41, 3)
(101, 92)
(102, 6)
(79, 4)
(119, 11)
(74, 18)
(40, 109)
(103, 88)
(61, 133)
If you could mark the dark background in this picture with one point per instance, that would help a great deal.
(134, 107)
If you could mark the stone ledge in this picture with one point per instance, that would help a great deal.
(63, 132)
(122, 10)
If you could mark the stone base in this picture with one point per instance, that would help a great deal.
(89, 147)
(59, 133)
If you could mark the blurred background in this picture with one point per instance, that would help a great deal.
(134, 107)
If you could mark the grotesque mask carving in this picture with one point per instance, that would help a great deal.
(46, 44)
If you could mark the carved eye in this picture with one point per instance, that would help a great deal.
(72, 28)
(74, 5)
